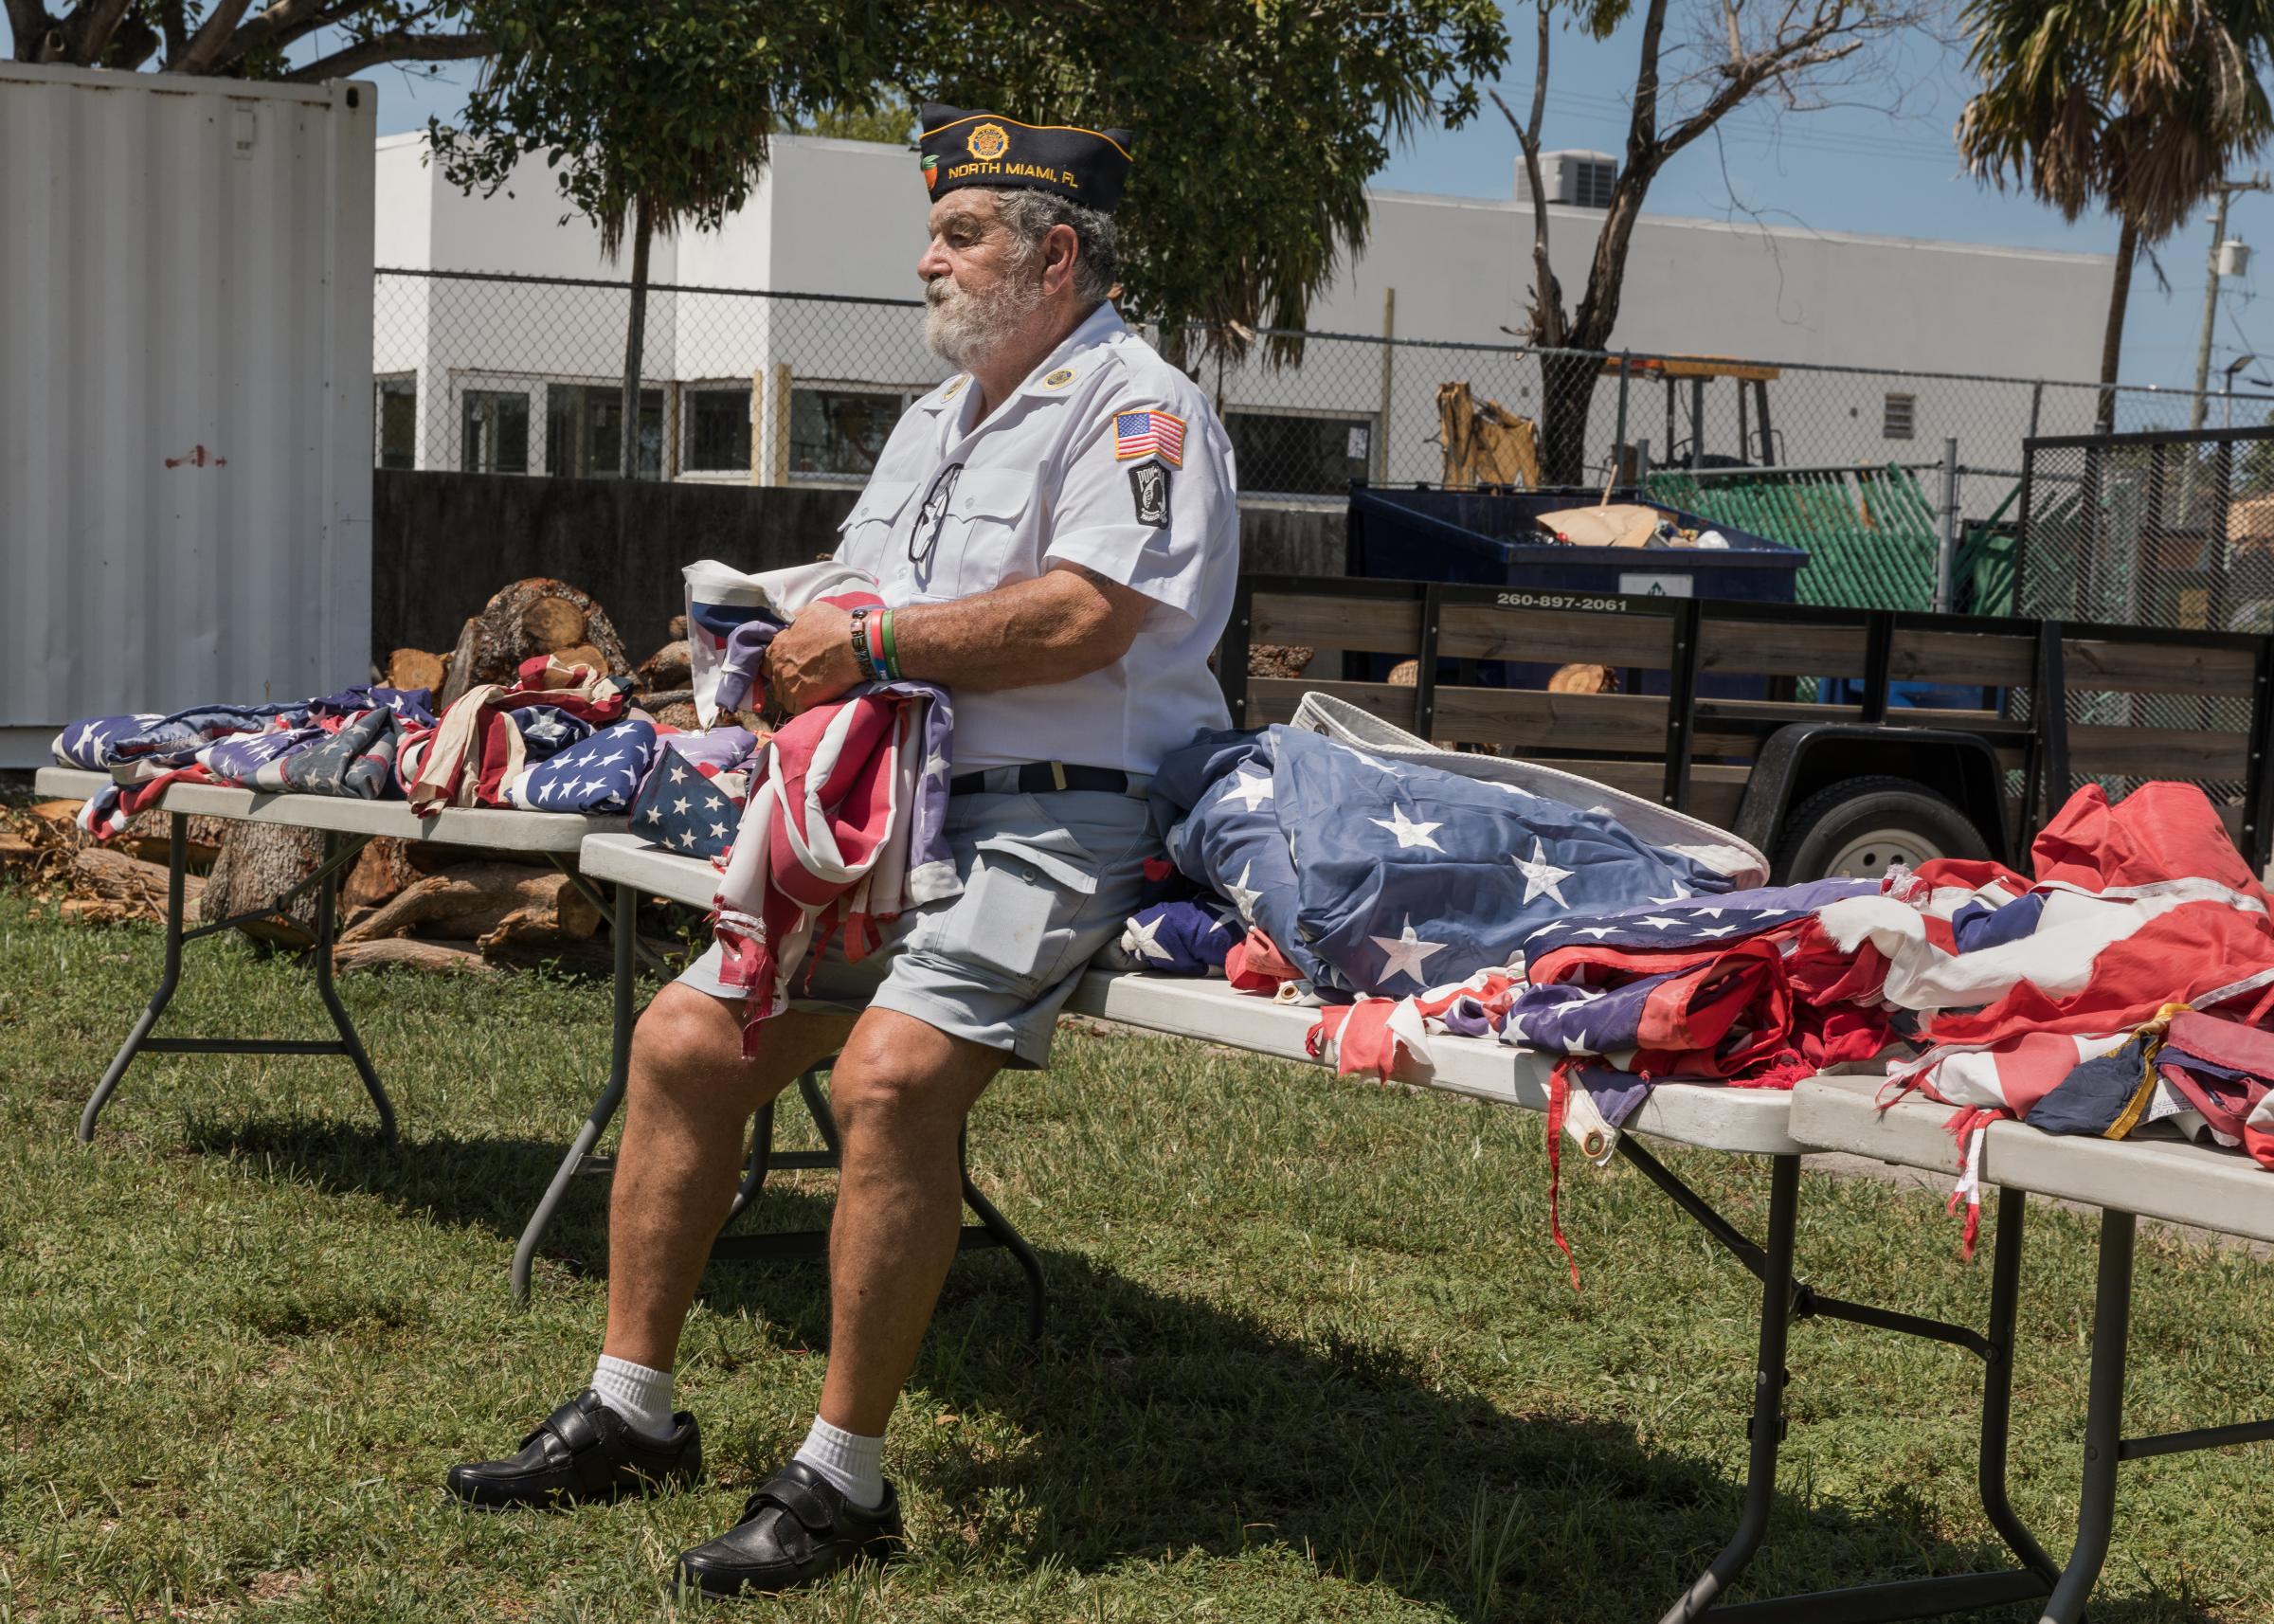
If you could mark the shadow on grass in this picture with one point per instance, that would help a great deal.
(1164, 1423)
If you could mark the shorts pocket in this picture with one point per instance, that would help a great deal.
(1019, 907)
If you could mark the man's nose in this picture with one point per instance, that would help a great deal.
(933, 264)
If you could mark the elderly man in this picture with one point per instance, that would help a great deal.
(1055, 531)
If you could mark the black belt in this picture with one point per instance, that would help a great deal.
(1044, 778)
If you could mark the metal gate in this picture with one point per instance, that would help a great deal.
(2169, 528)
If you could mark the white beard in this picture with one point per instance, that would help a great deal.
(964, 329)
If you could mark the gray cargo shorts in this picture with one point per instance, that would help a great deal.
(1048, 881)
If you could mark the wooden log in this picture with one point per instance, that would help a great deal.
(258, 863)
(1584, 679)
(478, 899)
(414, 668)
(670, 666)
(409, 952)
(382, 870)
(532, 617)
(113, 876)
(1278, 660)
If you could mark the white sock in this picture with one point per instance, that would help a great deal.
(640, 1396)
(853, 1463)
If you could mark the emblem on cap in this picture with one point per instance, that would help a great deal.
(932, 171)
(1059, 379)
(989, 142)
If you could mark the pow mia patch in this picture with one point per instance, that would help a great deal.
(1148, 485)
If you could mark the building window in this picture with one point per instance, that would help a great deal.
(493, 432)
(718, 429)
(838, 433)
(584, 431)
(1899, 416)
(397, 416)
(1283, 454)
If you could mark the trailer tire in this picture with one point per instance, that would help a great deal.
(1862, 826)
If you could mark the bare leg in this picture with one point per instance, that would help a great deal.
(900, 1091)
(688, 1100)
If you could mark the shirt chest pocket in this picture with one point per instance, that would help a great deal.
(975, 536)
(865, 540)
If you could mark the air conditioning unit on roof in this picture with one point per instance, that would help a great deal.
(1581, 179)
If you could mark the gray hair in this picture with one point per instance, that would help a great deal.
(1030, 213)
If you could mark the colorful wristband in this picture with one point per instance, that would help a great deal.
(860, 646)
(875, 641)
(891, 655)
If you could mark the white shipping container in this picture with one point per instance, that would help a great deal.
(185, 393)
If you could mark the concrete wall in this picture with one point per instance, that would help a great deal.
(847, 218)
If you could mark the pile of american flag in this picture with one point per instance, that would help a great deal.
(2126, 982)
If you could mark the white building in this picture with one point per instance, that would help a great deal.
(518, 377)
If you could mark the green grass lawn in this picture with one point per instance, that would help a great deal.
(1312, 1354)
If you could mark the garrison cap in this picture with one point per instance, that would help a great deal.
(985, 148)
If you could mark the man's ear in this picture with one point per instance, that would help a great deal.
(1061, 248)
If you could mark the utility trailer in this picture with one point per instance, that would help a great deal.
(1824, 788)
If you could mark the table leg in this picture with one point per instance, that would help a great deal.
(177, 857)
(604, 1108)
(1998, 1388)
(1766, 1428)
(327, 909)
(2103, 1421)
(995, 1224)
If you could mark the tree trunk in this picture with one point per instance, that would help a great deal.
(635, 337)
(1566, 391)
(260, 862)
(2112, 336)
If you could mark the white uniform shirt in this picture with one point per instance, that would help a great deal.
(1061, 472)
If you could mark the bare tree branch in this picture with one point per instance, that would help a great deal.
(1546, 324)
(90, 29)
(176, 30)
(392, 48)
(27, 24)
(284, 21)
(205, 46)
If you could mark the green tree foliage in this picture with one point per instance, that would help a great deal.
(2134, 105)
(1259, 125)
(654, 115)
(228, 39)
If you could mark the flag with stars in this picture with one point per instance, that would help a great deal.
(600, 774)
(692, 802)
(89, 744)
(1376, 876)
(1188, 937)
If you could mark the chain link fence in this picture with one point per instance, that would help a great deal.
(503, 373)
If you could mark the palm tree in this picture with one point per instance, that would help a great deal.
(2135, 105)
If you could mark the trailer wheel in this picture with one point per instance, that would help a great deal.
(1860, 827)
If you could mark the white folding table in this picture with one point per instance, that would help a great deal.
(2128, 1179)
(347, 825)
(1751, 1122)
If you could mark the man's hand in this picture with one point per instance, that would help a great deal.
(810, 661)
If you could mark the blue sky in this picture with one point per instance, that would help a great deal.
(1885, 162)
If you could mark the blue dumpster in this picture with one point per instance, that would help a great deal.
(1489, 540)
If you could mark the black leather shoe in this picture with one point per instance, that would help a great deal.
(583, 1451)
(796, 1529)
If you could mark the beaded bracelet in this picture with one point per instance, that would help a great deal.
(860, 646)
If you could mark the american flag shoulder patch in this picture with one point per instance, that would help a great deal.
(1149, 434)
